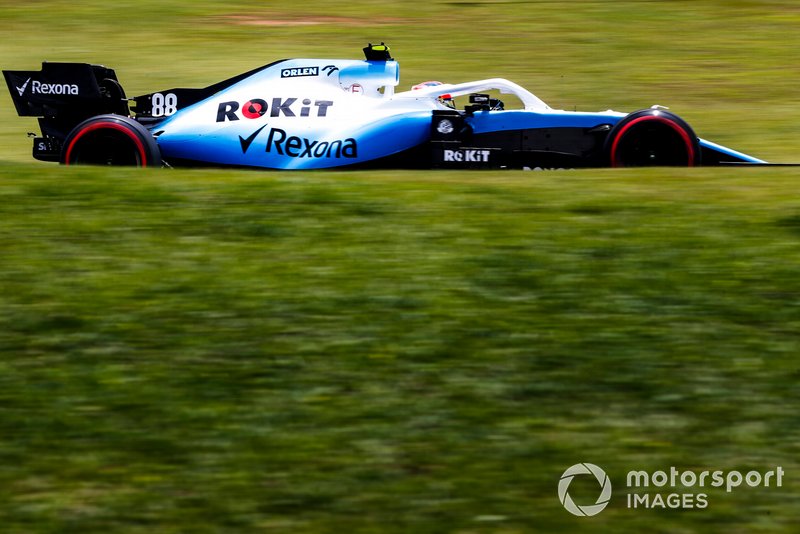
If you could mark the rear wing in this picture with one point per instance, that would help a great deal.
(65, 88)
(62, 95)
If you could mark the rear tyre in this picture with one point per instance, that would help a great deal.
(111, 140)
(652, 137)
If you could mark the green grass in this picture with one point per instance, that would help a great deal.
(216, 351)
(213, 351)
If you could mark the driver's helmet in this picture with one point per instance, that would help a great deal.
(444, 99)
(425, 85)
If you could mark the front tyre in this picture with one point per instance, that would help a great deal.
(111, 140)
(652, 137)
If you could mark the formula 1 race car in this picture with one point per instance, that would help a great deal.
(322, 113)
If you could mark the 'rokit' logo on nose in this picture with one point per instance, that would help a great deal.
(467, 155)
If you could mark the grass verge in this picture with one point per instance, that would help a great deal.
(216, 351)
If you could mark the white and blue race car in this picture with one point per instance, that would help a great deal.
(323, 113)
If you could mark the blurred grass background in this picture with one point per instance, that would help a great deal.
(729, 68)
(218, 351)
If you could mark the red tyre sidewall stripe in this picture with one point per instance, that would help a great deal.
(672, 124)
(112, 125)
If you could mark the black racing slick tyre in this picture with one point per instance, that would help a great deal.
(111, 140)
(652, 137)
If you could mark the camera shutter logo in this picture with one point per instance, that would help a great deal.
(602, 500)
